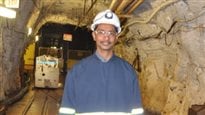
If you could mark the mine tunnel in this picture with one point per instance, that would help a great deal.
(41, 40)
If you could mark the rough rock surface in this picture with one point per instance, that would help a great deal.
(166, 46)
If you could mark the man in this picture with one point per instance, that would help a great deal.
(102, 83)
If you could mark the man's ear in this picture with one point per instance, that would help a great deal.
(93, 34)
(117, 37)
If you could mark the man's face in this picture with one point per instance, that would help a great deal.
(105, 36)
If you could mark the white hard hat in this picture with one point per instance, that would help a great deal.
(106, 17)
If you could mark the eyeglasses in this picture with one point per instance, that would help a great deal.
(105, 33)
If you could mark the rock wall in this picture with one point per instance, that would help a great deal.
(2, 96)
(166, 46)
(13, 41)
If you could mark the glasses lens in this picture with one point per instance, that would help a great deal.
(105, 33)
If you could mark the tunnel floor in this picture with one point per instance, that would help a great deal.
(38, 101)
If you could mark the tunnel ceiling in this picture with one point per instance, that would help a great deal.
(64, 12)
(75, 12)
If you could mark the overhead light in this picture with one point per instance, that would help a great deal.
(54, 47)
(67, 37)
(11, 3)
(6, 12)
(29, 31)
(36, 38)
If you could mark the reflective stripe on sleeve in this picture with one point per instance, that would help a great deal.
(66, 110)
(104, 113)
(137, 111)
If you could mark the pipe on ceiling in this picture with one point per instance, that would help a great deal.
(129, 9)
(134, 5)
(123, 5)
(114, 4)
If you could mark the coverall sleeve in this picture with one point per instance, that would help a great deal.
(68, 99)
(138, 108)
(137, 93)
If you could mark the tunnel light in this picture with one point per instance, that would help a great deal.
(29, 31)
(36, 38)
(54, 47)
(67, 37)
(9, 13)
(11, 3)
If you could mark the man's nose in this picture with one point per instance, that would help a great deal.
(106, 37)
